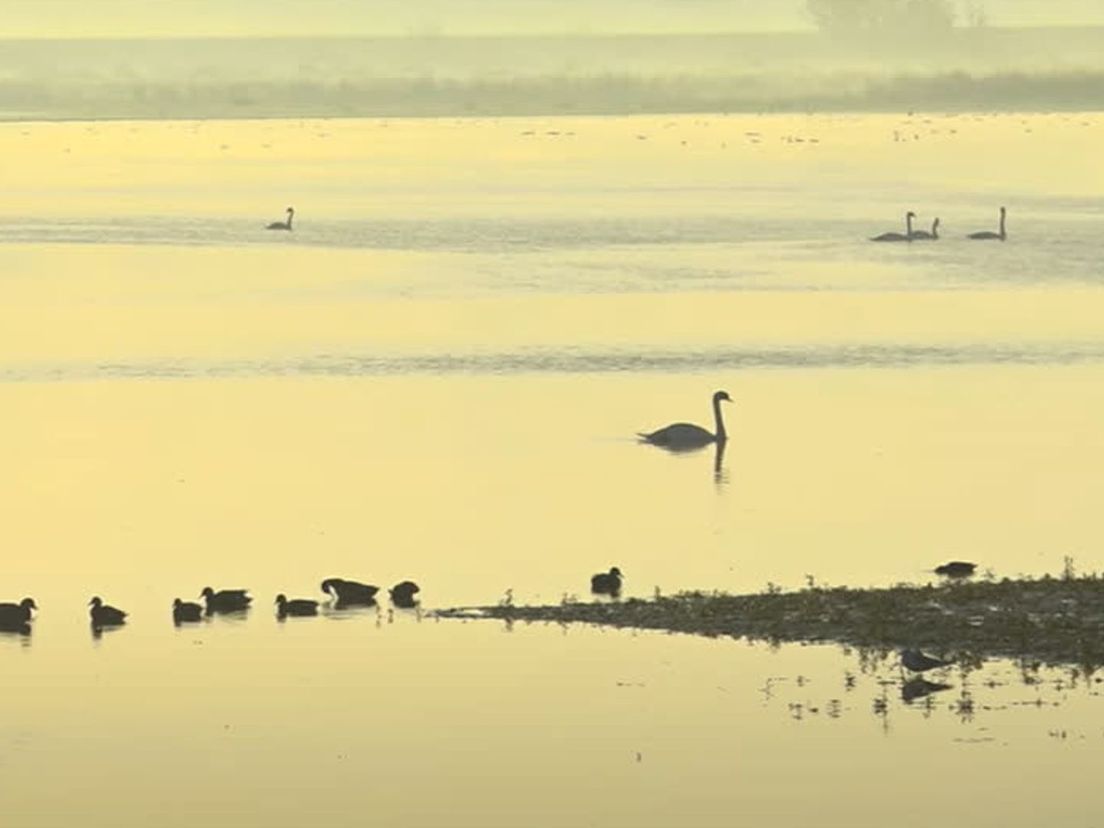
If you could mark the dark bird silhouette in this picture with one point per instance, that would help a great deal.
(16, 615)
(956, 569)
(402, 594)
(925, 235)
(186, 611)
(687, 436)
(607, 583)
(918, 687)
(899, 237)
(989, 235)
(225, 600)
(283, 225)
(296, 606)
(918, 662)
(350, 593)
(104, 615)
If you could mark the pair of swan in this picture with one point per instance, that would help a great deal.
(912, 235)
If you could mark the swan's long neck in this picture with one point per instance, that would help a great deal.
(908, 226)
(1002, 234)
(291, 215)
(935, 229)
(718, 420)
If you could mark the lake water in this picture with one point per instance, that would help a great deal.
(438, 375)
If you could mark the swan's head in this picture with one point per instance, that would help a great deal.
(28, 604)
(935, 223)
(290, 210)
(721, 395)
(1003, 211)
(95, 602)
(910, 214)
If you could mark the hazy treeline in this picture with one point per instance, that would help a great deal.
(982, 68)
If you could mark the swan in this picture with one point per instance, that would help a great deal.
(283, 225)
(607, 583)
(987, 235)
(104, 615)
(225, 600)
(924, 234)
(682, 436)
(350, 592)
(186, 611)
(16, 615)
(296, 606)
(402, 594)
(899, 237)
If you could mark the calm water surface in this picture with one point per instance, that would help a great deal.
(437, 376)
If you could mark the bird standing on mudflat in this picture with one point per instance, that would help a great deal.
(918, 662)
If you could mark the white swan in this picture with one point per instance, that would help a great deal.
(283, 225)
(682, 436)
(924, 234)
(987, 235)
(899, 237)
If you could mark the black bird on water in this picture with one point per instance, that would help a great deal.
(918, 688)
(104, 615)
(296, 606)
(689, 436)
(956, 569)
(283, 225)
(186, 611)
(402, 594)
(14, 616)
(917, 662)
(607, 583)
(349, 593)
(225, 600)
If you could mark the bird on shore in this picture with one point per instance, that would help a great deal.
(925, 235)
(956, 569)
(296, 606)
(899, 237)
(225, 600)
(687, 436)
(989, 235)
(104, 615)
(186, 611)
(607, 583)
(16, 615)
(350, 593)
(917, 662)
(402, 594)
(283, 225)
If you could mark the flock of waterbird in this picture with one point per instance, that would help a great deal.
(911, 235)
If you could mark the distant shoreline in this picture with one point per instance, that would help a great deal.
(1054, 620)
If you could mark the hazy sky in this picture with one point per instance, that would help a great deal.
(121, 18)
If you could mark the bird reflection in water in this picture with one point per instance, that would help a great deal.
(918, 688)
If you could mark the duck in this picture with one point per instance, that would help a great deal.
(295, 606)
(283, 225)
(607, 583)
(917, 662)
(226, 600)
(16, 615)
(956, 569)
(687, 436)
(350, 592)
(104, 615)
(402, 594)
(899, 237)
(186, 611)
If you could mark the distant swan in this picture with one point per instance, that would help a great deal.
(682, 436)
(283, 225)
(105, 616)
(986, 235)
(924, 234)
(899, 237)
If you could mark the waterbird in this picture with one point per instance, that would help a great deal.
(925, 235)
(917, 688)
(283, 225)
(898, 237)
(296, 606)
(956, 569)
(607, 583)
(918, 662)
(16, 615)
(186, 611)
(104, 615)
(402, 594)
(988, 235)
(350, 592)
(225, 600)
(684, 436)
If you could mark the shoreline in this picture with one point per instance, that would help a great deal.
(1053, 620)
